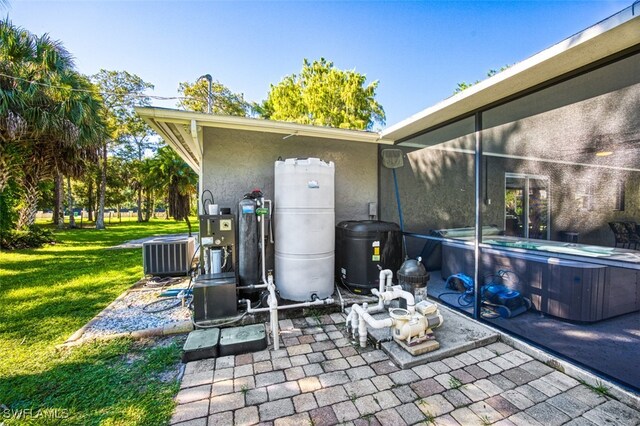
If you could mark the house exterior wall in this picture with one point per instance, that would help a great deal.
(553, 132)
(235, 162)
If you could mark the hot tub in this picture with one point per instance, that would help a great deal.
(570, 281)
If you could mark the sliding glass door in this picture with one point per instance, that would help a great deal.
(526, 201)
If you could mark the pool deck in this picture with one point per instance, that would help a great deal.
(318, 377)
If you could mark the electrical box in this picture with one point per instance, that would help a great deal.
(214, 297)
(217, 241)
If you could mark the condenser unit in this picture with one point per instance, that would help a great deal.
(168, 256)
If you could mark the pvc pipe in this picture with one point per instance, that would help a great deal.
(375, 323)
(328, 301)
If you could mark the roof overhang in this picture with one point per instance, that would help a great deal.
(182, 130)
(604, 39)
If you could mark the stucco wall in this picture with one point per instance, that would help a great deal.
(235, 162)
(553, 132)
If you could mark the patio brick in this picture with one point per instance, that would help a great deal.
(453, 363)
(489, 367)
(473, 392)
(345, 411)
(404, 377)
(476, 372)
(569, 405)
(333, 335)
(439, 367)
(264, 355)
(197, 379)
(256, 396)
(584, 394)
(219, 419)
(383, 367)
(262, 367)
(488, 387)
(580, 421)
(246, 416)
(561, 380)
(299, 360)
(613, 412)
(193, 394)
(280, 353)
(375, 356)
(201, 421)
(516, 357)
(335, 365)
(294, 373)
(405, 394)
(307, 338)
(503, 362)
(333, 378)
(536, 368)
(348, 351)
(456, 398)
(435, 405)
(446, 420)
(200, 366)
(466, 359)
(465, 416)
(518, 375)
(309, 384)
(531, 393)
(481, 354)
(275, 409)
(315, 357)
(356, 361)
(225, 362)
(463, 376)
(283, 390)
(523, 419)
(243, 359)
(547, 414)
(445, 380)
(424, 371)
(499, 348)
(386, 399)
(518, 399)
(332, 354)
(312, 369)
(191, 410)
(359, 388)
(321, 337)
(427, 387)
(290, 341)
(323, 346)
(243, 370)
(503, 406)
(485, 411)
(267, 379)
(299, 349)
(390, 417)
(304, 402)
(330, 396)
(382, 382)
(230, 401)
(501, 381)
(367, 405)
(545, 387)
(359, 373)
(323, 416)
(223, 374)
(410, 413)
(222, 388)
(294, 420)
(281, 363)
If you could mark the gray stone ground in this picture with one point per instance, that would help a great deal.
(319, 378)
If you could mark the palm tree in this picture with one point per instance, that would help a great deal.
(47, 110)
(178, 180)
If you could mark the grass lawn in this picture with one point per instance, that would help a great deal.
(45, 295)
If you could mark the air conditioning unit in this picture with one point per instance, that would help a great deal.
(168, 256)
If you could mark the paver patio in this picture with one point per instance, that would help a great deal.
(318, 377)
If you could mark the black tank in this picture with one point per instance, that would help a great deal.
(363, 245)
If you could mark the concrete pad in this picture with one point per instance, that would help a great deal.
(457, 334)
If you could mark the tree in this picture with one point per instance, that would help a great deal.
(50, 115)
(178, 179)
(130, 135)
(224, 101)
(464, 85)
(326, 96)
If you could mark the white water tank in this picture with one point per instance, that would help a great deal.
(304, 210)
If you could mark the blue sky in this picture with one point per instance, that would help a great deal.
(418, 51)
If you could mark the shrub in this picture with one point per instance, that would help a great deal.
(33, 237)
